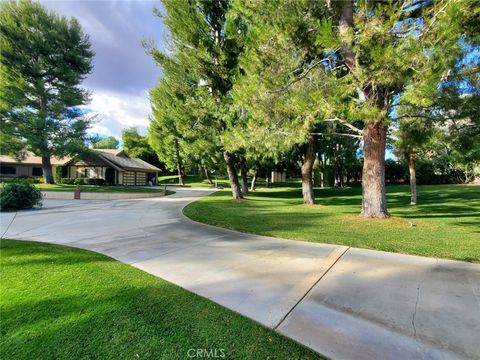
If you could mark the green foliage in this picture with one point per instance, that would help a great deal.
(44, 58)
(19, 195)
(59, 173)
(67, 181)
(109, 142)
(192, 105)
(79, 181)
(137, 146)
(84, 181)
(22, 178)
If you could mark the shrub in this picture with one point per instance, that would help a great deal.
(59, 174)
(100, 182)
(19, 195)
(88, 181)
(78, 181)
(67, 181)
(22, 178)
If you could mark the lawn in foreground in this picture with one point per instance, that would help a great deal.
(64, 303)
(445, 223)
(94, 188)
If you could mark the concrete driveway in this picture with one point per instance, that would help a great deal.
(345, 303)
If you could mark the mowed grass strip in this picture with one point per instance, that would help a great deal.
(444, 224)
(94, 188)
(64, 303)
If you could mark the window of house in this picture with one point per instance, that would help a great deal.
(37, 171)
(8, 170)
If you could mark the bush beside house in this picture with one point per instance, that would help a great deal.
(17, 195)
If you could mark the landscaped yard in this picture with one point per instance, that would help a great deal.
(64, 303)
(131, 189)
(444, 224)
(192, 181)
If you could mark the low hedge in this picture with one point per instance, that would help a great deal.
(83, 181)
(22, 178)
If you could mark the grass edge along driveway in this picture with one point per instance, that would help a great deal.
(444, 224)
(77, 304)
(94, 188)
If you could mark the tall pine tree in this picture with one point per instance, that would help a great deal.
(200, 68)
(44, 58)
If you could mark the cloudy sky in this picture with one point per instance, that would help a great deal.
(122, 73)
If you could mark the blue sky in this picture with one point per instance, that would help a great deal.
(122, 73)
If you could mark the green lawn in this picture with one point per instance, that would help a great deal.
(192, 181)
(63, 303)
(445, 223)
(93, 188)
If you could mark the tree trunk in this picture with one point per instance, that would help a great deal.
(179, 164)
(374, 204)
(307, 173)
(243, 173)
(207, 175)
(413, 179)
(47, 170)
(254, 180)
(232, 176)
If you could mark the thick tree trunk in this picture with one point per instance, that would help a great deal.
(243, 173)
(47, 170)
(307, 172)
(413, 179)
(207, 175)
(254, 180)
(179, 164)
(374, 204)
(232, 176)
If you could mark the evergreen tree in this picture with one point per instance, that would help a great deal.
(136, 145)
(351, 62)
(200, 69)
(44, 58)
(109, 142)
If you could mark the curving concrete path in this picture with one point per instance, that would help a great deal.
(345, 303)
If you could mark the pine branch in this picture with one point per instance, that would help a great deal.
(341, 134)
(347, 124)
(298, 78)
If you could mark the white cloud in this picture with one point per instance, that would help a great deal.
(116, 111)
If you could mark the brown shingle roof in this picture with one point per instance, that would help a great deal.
(119, 158)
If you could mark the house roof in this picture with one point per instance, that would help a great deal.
(123, 161)
(116, 158)
(31, 159)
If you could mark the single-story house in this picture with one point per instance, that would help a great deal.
(113, 165)
(30, 166)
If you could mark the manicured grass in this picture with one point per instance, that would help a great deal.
(192, 181)
(444, 224)
(63, 303)
(93, 188)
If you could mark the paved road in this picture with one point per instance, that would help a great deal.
(345, 303)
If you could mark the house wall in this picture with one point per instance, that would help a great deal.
(22, 170)
(94, 172)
